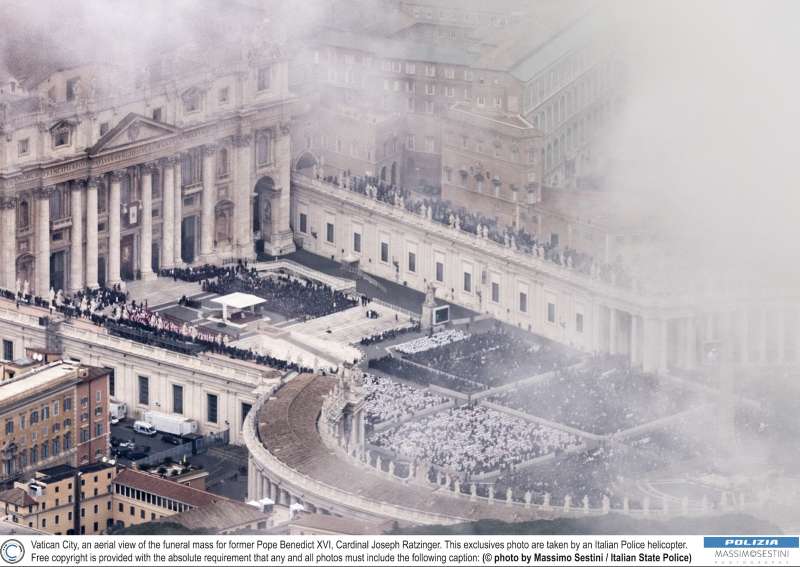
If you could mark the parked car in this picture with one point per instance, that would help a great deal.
(144, 428)
(172, 439)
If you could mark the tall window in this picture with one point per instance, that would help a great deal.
(329, 234)
(144, 390)
(523, 302)
(303, 223)
(412, 262)
(264, 78)
(211, 407)
(495, 292)
(385, 252)
(23, 147)
(551, 312)
(468, 282)
(72, 88)
(177, 398)
(264, 147)
(439, 271)
(222, 162)
(8, 350)
(356, 242)
(579, 322)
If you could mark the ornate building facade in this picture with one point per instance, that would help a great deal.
(110, 183)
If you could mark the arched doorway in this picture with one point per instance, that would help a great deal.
(306, 161)
(383, 173)
(262, 208)
(394, 173)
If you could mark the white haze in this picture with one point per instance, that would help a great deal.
(707, 134)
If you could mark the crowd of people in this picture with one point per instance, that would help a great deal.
(494, 358)
(608, 470)
(405, 370)
(432, 341)
(597, 400)
(112, 308)
(473, 439)
(388, 400)
(291, 296)
(390, 334)
(444, 212)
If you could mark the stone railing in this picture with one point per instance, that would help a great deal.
(488, 246)
(449, 483)
(338, 284)
(312, 489)
(77, 330)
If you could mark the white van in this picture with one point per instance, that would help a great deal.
(144, 428)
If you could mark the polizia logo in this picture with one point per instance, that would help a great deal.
(12, 551)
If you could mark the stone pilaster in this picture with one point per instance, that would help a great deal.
(76, 237)
(242, 196)
(177, 212)
(281, 240)
(92, 243)
(168, 214)
(114, 227)
(208, 201)
(43, 240)
(8, 248)
(146, 238)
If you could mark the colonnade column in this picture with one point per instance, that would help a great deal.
(178, 212)
(168, 214)
(663, 344)
(8, 249)
(146, 239)
(242, 190)
(91, 233)
(76, 238)
(781, 337)
(634, 356)
(596, 328)
(43, 240)
(207, 202)
(114, 228)
(612, 330)
(691, 343)
(743, 337)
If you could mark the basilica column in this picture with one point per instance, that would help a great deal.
(43, 240)
(146, 238)
(663, 344)
(612, 330)
(177, 213)
(781, 334)
(92, 243)
(691, 343)
(168, 214)
(76, 238)
(635, 358)
(207, 203)
(242, 200)
(8, 251)
(114, 228)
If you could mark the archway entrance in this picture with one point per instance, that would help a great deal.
(306, 161)
(394, 173)
(262, 208)
(188, 237)
(57, 264)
